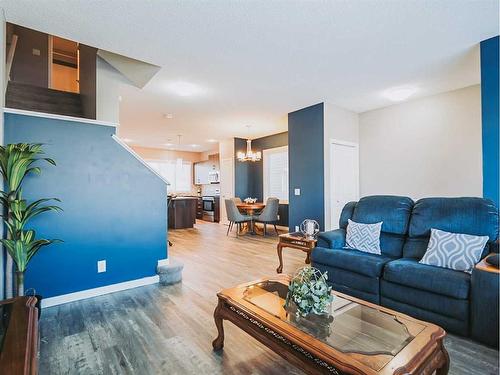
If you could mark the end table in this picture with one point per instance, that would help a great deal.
(295, 240)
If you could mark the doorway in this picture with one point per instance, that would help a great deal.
(226, 185)
(64, 61)
(344, 177)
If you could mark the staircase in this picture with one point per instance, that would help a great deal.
(41, 99)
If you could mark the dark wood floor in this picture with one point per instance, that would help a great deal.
(168, 330)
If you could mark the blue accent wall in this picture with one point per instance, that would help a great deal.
(114, 207)
(490, 102)
(306, 165)
(249, 175)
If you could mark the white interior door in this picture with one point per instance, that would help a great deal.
(226, 185)
(344, 175)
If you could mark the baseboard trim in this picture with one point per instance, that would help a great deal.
(89, 293)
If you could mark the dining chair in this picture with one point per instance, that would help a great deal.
(237, 200)
(235, 216)
(269, 214)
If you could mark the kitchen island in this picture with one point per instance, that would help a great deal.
(182, 212)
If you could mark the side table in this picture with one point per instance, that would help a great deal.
(295, 241)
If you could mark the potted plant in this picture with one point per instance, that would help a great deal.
(16, 162)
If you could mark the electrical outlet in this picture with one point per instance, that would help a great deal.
(296, 228)
(297, 191)
(101, 266)
(278, 216)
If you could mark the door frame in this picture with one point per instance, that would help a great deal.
(222, 214)
(331, 144)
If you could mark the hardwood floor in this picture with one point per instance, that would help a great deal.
(169, 330)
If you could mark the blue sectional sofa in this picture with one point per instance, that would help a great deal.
(397, 280)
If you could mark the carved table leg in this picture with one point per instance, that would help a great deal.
(218, 343)
(443, 370)
(308, 257)
(280, 257)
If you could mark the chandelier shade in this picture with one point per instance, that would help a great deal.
(249, 155)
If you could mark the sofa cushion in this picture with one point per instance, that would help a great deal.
(409, 272)
(393, 211)
(346, 214)
(352, 260)
(363, 237)
(476, 216)
(456, 251)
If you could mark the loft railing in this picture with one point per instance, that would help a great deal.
(10, 58)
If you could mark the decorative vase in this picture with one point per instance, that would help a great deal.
(20, 283)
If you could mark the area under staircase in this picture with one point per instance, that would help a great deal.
(41, 99)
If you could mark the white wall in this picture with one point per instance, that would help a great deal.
(342, 125)
(108, 82)
(423, 148)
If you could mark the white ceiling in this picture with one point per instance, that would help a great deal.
(252, 62)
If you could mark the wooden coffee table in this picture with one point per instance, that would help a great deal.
(357, 337)
(295, 241)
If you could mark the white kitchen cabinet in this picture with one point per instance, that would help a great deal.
(201, 173)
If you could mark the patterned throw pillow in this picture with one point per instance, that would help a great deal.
(456, 251)
(363, 237)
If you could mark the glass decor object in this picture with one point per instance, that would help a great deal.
(309, 292)
(309, 228)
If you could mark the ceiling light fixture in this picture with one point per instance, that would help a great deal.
(185, 89)
(398, 94)
(168, 116)
(211, 140)
(127, 140)
(194, 145)
(249, 155)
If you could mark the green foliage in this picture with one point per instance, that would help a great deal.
(309, 291)
(16, 162)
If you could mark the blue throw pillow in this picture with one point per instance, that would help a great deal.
(363, 237)
(456, 251)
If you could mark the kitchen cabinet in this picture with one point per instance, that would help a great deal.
(201, 173)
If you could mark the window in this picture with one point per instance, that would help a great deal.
(177, 172)
(276, 173)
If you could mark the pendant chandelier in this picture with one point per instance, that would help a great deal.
(249, 155)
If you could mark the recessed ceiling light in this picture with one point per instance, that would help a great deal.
(185, 89)
(168, 115)
(169, 144)
(194, 145)
(398, 94)
(127, 140)
(212, 140)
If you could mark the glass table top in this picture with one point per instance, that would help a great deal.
(348, 327)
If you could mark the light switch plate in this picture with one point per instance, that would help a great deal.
(101, 266)
(36, 52)
(297, 191)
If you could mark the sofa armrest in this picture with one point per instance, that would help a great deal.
(334, 239)
(485, 300)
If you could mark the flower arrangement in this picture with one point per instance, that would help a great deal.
(250, 200)
(309, 291)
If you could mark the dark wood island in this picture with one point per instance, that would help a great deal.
(182, 212)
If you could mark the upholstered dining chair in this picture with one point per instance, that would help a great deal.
(269, 214)
(237, 200)
(235, 216)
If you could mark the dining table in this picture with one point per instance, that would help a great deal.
(250, 209)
